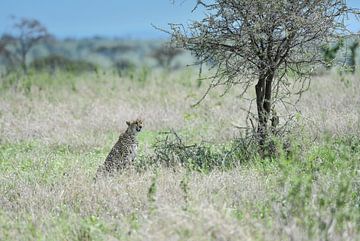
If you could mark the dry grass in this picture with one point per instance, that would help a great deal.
(331, 105)
(102, 104)
(53, 139)
(123, 198)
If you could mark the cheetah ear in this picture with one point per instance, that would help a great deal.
(128, 123)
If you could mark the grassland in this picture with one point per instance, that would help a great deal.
(55, 130)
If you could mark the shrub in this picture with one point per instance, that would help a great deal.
(172, 150)
(53, 63)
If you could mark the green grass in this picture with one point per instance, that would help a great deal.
(54, 137)
(317, 195)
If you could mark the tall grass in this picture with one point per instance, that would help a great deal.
(57, 129)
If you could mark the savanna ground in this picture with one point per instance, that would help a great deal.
(55, 130)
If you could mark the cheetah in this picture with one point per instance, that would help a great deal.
(124, 151)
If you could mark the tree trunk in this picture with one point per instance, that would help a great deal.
(263, 102)
(23, 52)
(23, 63)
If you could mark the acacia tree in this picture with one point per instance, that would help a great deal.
(165, 55)
(27, 33)
(261, 44)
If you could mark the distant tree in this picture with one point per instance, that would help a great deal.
(330, 51)
(5, 54)
(26, 34)
(352, 58)
(114, 53)
(165, 55)
(123, 66)
(53, 63)
(266, 44)
(113, 50)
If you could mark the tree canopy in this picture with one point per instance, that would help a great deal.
(262, 43)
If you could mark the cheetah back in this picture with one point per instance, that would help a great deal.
(123, 152)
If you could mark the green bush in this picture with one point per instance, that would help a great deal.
(172, 150)
(54, 63)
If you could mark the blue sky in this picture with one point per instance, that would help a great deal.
(112, 18)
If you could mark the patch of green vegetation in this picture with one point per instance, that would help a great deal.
(147, 136)
(40, 80)
(317, 191)
(323, 189)
(54, 63)
(45, 164)
(173, 149)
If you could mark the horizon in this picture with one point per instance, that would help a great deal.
(115, 19)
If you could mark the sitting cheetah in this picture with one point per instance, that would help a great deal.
(124, 151)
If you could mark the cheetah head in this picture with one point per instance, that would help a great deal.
(135, 126)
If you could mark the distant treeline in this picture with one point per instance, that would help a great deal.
(30, 45)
